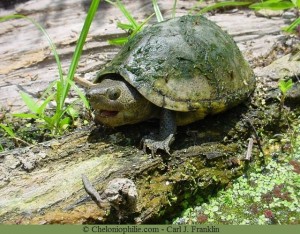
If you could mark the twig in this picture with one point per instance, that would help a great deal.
(17, 140)
(249, 149)
(89, 188)
(83, 82)
(255, 134)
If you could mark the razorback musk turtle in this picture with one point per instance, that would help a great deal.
(179, 71)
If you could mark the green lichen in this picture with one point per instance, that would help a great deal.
(267, 195)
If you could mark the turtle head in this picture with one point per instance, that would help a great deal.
(115, 102)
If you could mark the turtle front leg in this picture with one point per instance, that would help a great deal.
(166, 134)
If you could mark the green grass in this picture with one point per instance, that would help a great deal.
(280, 5)
(223, 4)
(132, 27)
(269, 4)
(58, 90)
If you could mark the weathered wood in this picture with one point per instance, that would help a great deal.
(42, 184)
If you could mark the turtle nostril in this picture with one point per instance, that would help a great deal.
(113, 93)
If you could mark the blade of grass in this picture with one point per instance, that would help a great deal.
(296, 3)
(80, 94)
(157, 11)
(271, 5)
(125, 26)
(41, 109)
(195, 6)
(126, 13)
(78, 50)
(11, 133)
(26, 116)
(174, 8)
(142, 25)
(123, 40)
(8, 130)
(48, 90)
(292, 26)
(30, 102)
(222, 4)
(118, 41)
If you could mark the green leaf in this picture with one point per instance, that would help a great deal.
(222, 4)
(78, 50)
(157, 11)
(43, 106)
(272, 5)
(135, 28)
(72, 112)
(8, 130)
(48, 90)
(118, 41)
(81, 95)
(30, 102)
(126, 13)
(64, 123)
(296, 3)
(125, 26)
(174, 8)
(141, 26)
(50, 121)
(292, 26)
(59, 95)
(26, 116)
(285, 86)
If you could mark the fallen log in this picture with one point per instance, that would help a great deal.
(42, 183)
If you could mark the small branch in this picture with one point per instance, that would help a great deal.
(249, 149)
(255, 134)
(89, 188)
(83, 82)
(17, 140)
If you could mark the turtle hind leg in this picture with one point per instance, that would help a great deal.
(166, 134)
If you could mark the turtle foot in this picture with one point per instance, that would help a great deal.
(153, 144)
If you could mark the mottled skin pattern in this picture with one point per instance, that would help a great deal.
(179, 71)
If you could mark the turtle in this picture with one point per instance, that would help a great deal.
(178, 71)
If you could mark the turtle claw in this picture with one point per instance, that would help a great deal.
(153, 144)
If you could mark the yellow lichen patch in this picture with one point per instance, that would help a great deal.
(218, 106)
(79, 215)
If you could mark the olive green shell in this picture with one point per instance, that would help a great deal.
(185, 64)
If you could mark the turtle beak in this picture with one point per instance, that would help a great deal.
(96, 98)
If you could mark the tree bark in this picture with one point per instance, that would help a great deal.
(42, 183)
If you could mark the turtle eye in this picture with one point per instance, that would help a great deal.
(113, 93)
